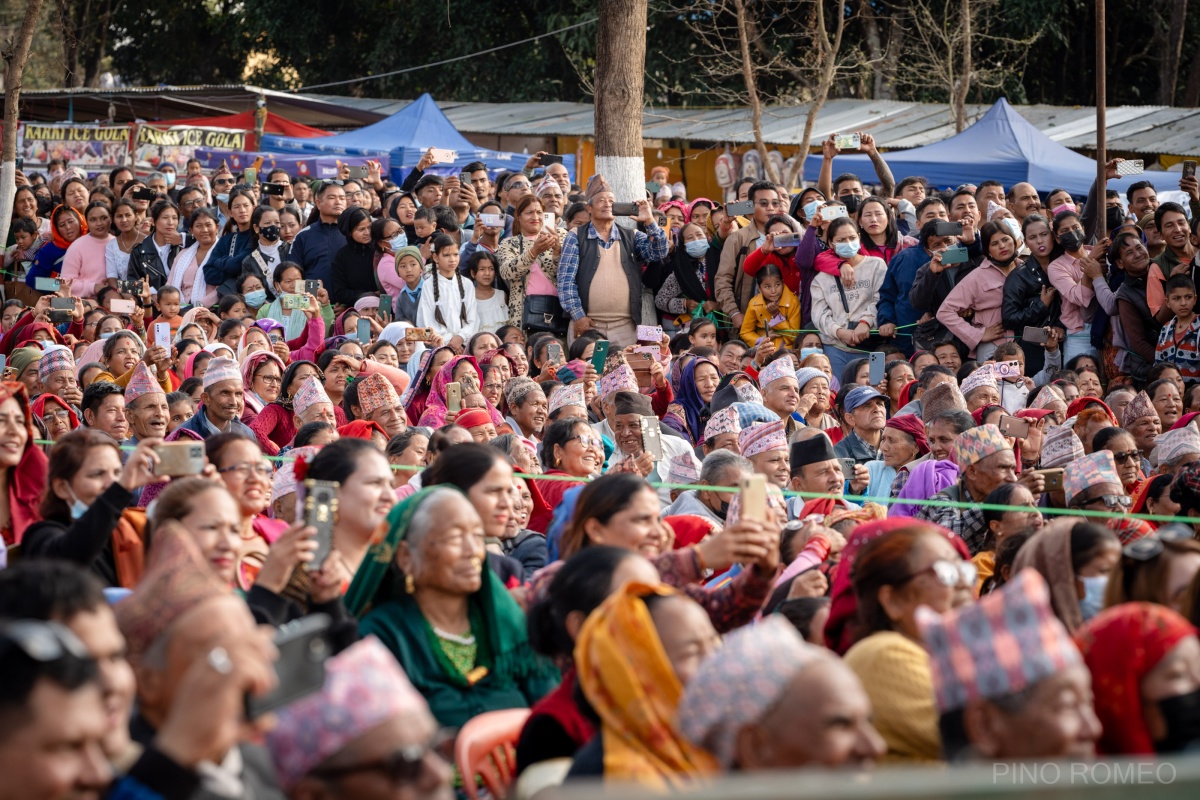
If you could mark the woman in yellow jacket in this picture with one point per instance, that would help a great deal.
(774, 311)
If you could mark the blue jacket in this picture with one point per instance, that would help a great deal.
(894, 305)
(200, 426)
(224, 266)
(314, 249)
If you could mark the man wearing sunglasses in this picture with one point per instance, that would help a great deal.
(1093, 483)
(368, 734)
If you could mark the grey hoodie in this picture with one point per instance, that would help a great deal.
(689, 503)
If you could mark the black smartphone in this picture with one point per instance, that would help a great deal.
(625, 209)
(312, 287)
(1189, 169)
(276, 189)
(58, 316)
(742, 209)
(652, 437)
(63, 303)
(142, 193)
(944, 228)
(304, 647)
(877, 365)
(320, 512)
(20, 162)
(548, 158)
(600, 356)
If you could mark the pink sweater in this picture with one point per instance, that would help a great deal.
(84, 265)
(1067, 276)
(983, 291)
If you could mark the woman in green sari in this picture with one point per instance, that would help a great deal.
(426, 591)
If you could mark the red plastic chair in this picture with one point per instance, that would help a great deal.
(486, 747)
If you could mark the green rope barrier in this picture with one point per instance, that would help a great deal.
(854, 498)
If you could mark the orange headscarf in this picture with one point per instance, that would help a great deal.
(626, 676)
(56, 236)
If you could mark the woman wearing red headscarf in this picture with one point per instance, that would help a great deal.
(66, 225)
(1145, 664)
(23, 465)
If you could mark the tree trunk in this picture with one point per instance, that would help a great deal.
(97, 46)
(620, 77)
(15, 54)
(1191, 92)
(891, 54)
(874, 49)
(958, 98)
(1168, 65)
(751, 82)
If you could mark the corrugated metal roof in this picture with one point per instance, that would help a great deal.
(895, 124)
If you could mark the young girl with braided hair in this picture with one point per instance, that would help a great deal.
(448, 302)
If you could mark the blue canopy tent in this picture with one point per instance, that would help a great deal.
(404, 137)
(1001, 145)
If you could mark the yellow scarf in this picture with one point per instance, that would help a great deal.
(632, 686)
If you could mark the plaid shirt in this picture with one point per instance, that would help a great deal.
(729, 606)
(967, 524)
(649, 247)
(1182, 350)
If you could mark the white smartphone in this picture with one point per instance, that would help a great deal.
(162, 335)
(441, 156)
(548, 221)
(1132, 166)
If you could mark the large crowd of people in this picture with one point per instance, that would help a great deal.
(824, 478)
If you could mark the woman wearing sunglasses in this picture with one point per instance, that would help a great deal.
(893, 576)
(571, 448)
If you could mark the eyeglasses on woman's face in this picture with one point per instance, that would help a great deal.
(950, 573)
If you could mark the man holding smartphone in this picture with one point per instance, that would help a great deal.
(867, 411)
(600, 270)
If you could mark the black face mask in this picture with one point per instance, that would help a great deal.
(1071, 240)
(269, 232)
(1114, 217)
(44, 205)
(851, 202)
(1182, 715)
(1003, 263)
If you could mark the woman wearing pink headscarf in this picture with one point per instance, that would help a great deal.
(259, 391)
(470, 378)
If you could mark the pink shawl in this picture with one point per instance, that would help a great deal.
(434, 415)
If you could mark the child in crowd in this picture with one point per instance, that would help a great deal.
(702, 333)
(1179, 342)
(410, 270)
(232, 306)
(774, 311)
(27, 242)
(424, 225)
(492, 303)
(167, 302)
(447, 302)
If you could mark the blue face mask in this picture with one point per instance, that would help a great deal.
(1093, 595)
(107, 334)
(398, 241)
(805, 352)
(256, 299)
(170, 176)
(78, 509)
(222, 197)
(810, 208)
(846, 249)
(696, 248)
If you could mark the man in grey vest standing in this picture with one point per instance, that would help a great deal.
(600, 271)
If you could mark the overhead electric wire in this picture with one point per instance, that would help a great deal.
(444, 61)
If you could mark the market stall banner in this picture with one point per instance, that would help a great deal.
(156, 145)
(308, 167)
(84, 146)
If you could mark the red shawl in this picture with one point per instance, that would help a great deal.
(28, 480)
(1121, 645)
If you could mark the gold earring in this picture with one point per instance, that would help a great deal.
(476, 564)
(409, 585)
